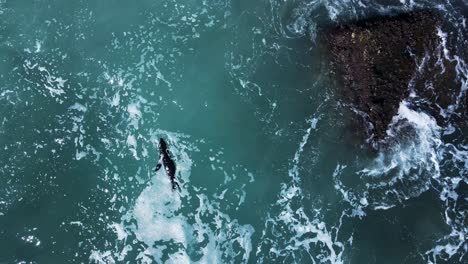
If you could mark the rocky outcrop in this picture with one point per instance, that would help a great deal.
(379, 61)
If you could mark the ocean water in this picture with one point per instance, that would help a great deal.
(270, 167)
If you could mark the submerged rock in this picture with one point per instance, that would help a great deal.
(383, 60)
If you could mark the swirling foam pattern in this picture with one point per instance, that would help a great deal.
(269, 168)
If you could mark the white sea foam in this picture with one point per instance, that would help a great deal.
(132, 144)
(80, 154)
(293, 172)
(116, 100)
(101, 257)
(120, 231)
(134, 112)
(297, 232)
(78, 107)
(77, 113)
(53, 84)
(412, 159)
(156, 216)
(402, 171)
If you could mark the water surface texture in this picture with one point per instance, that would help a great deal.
(268, 168)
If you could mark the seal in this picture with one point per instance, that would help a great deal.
(169, 165)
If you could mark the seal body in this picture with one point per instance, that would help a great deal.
(166, 161)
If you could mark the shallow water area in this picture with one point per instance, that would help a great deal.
(270, 166)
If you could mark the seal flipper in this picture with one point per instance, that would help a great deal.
(158, 166)
(175, 185)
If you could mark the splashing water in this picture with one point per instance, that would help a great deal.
(268, 170)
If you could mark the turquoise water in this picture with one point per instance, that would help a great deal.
(270, 165)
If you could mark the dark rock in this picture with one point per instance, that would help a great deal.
(379, 61)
